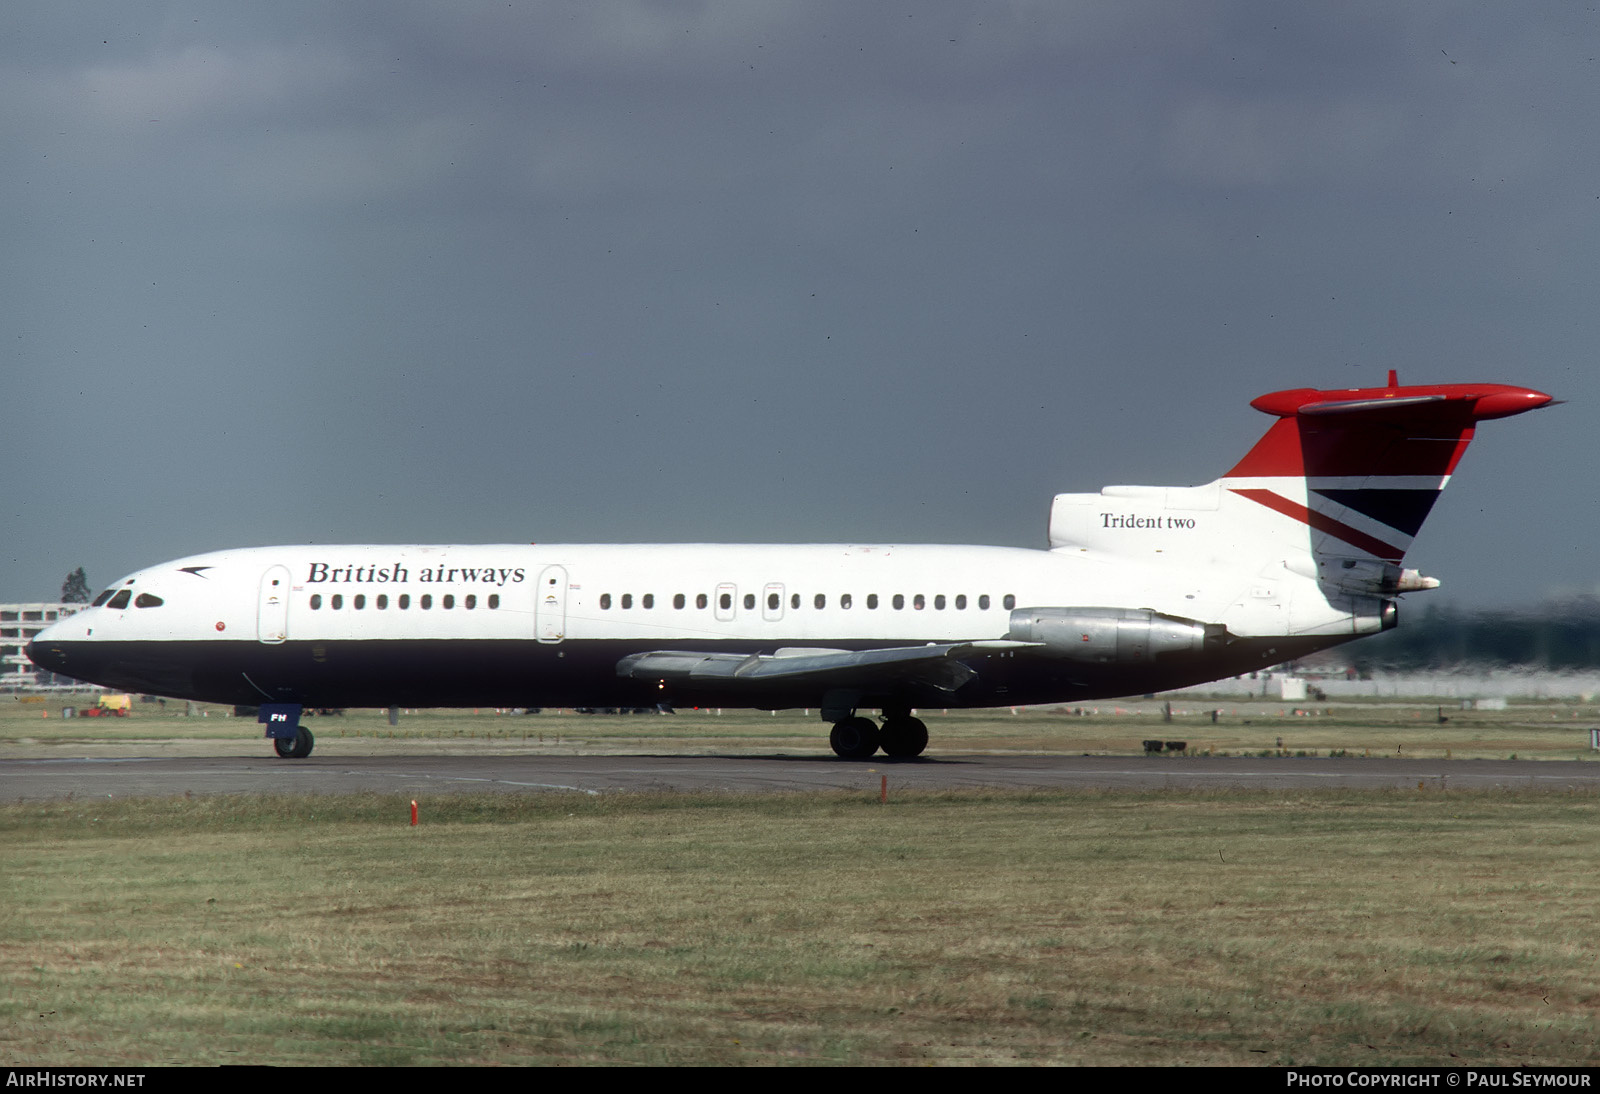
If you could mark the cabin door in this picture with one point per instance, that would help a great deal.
(272, 617)
(550, 610)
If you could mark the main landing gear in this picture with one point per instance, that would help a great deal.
(858, 738)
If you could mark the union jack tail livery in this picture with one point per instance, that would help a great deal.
(1332, 495)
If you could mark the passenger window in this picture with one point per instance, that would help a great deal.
(383, 601)
(983, 602)
(899, 601)
(148, 600)
(359, 602)
(726, 600)
(749, 601)
(700, 600)
(648, 600)
(872, 602)
(405, 601)
(918, 603)
(316, 601)
(605, 602)
(449, 601)
(820, 601)
(961, 602)
(1010, 602)
(120, 601)
(794, 601)
(678, 600)
(627, 600)
(425, 603)
(471, 602)
(844, 600)
(494, 600)
(938, 603)
(337, 601)
(773, 602)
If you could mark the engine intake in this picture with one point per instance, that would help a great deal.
(1114, 636)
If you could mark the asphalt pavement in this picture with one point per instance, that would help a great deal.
(158, 776)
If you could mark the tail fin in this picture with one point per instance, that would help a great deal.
(1334, 492)
(1362, 468)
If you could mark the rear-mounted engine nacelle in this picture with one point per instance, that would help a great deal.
(1118, 636)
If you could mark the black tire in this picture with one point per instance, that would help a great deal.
(297, 747)
(854, 738)
(904, 738)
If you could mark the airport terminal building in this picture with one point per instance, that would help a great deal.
(18, 624)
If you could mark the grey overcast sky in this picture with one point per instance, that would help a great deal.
(602, 270)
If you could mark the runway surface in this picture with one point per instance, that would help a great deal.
(134, 776)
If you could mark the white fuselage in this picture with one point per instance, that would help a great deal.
(550, 624)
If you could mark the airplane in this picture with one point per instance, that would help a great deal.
(1141, 589)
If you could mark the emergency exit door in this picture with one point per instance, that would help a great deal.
(550, 610)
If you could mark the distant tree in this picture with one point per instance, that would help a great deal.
(75, 590)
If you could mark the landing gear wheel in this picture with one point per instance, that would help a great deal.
(904, 738)
(854, 738)
(297, 747)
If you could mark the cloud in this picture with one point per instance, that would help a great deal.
(1221, 141)
(198, 85)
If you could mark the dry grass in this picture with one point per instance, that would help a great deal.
(1337, 928)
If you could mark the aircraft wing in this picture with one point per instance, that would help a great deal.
(936, 664)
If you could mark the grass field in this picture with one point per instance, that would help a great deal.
(1335, 927)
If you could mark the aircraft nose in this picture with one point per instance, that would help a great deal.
(48, 648)
(47, 655)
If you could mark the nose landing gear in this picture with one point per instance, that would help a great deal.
(297, 747)
(290, 739)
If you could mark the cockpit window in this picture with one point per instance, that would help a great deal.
(147, 600)
(102, 598)
(120, 601)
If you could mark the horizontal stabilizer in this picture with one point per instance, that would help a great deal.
(1364, 406)
(1470, 402)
